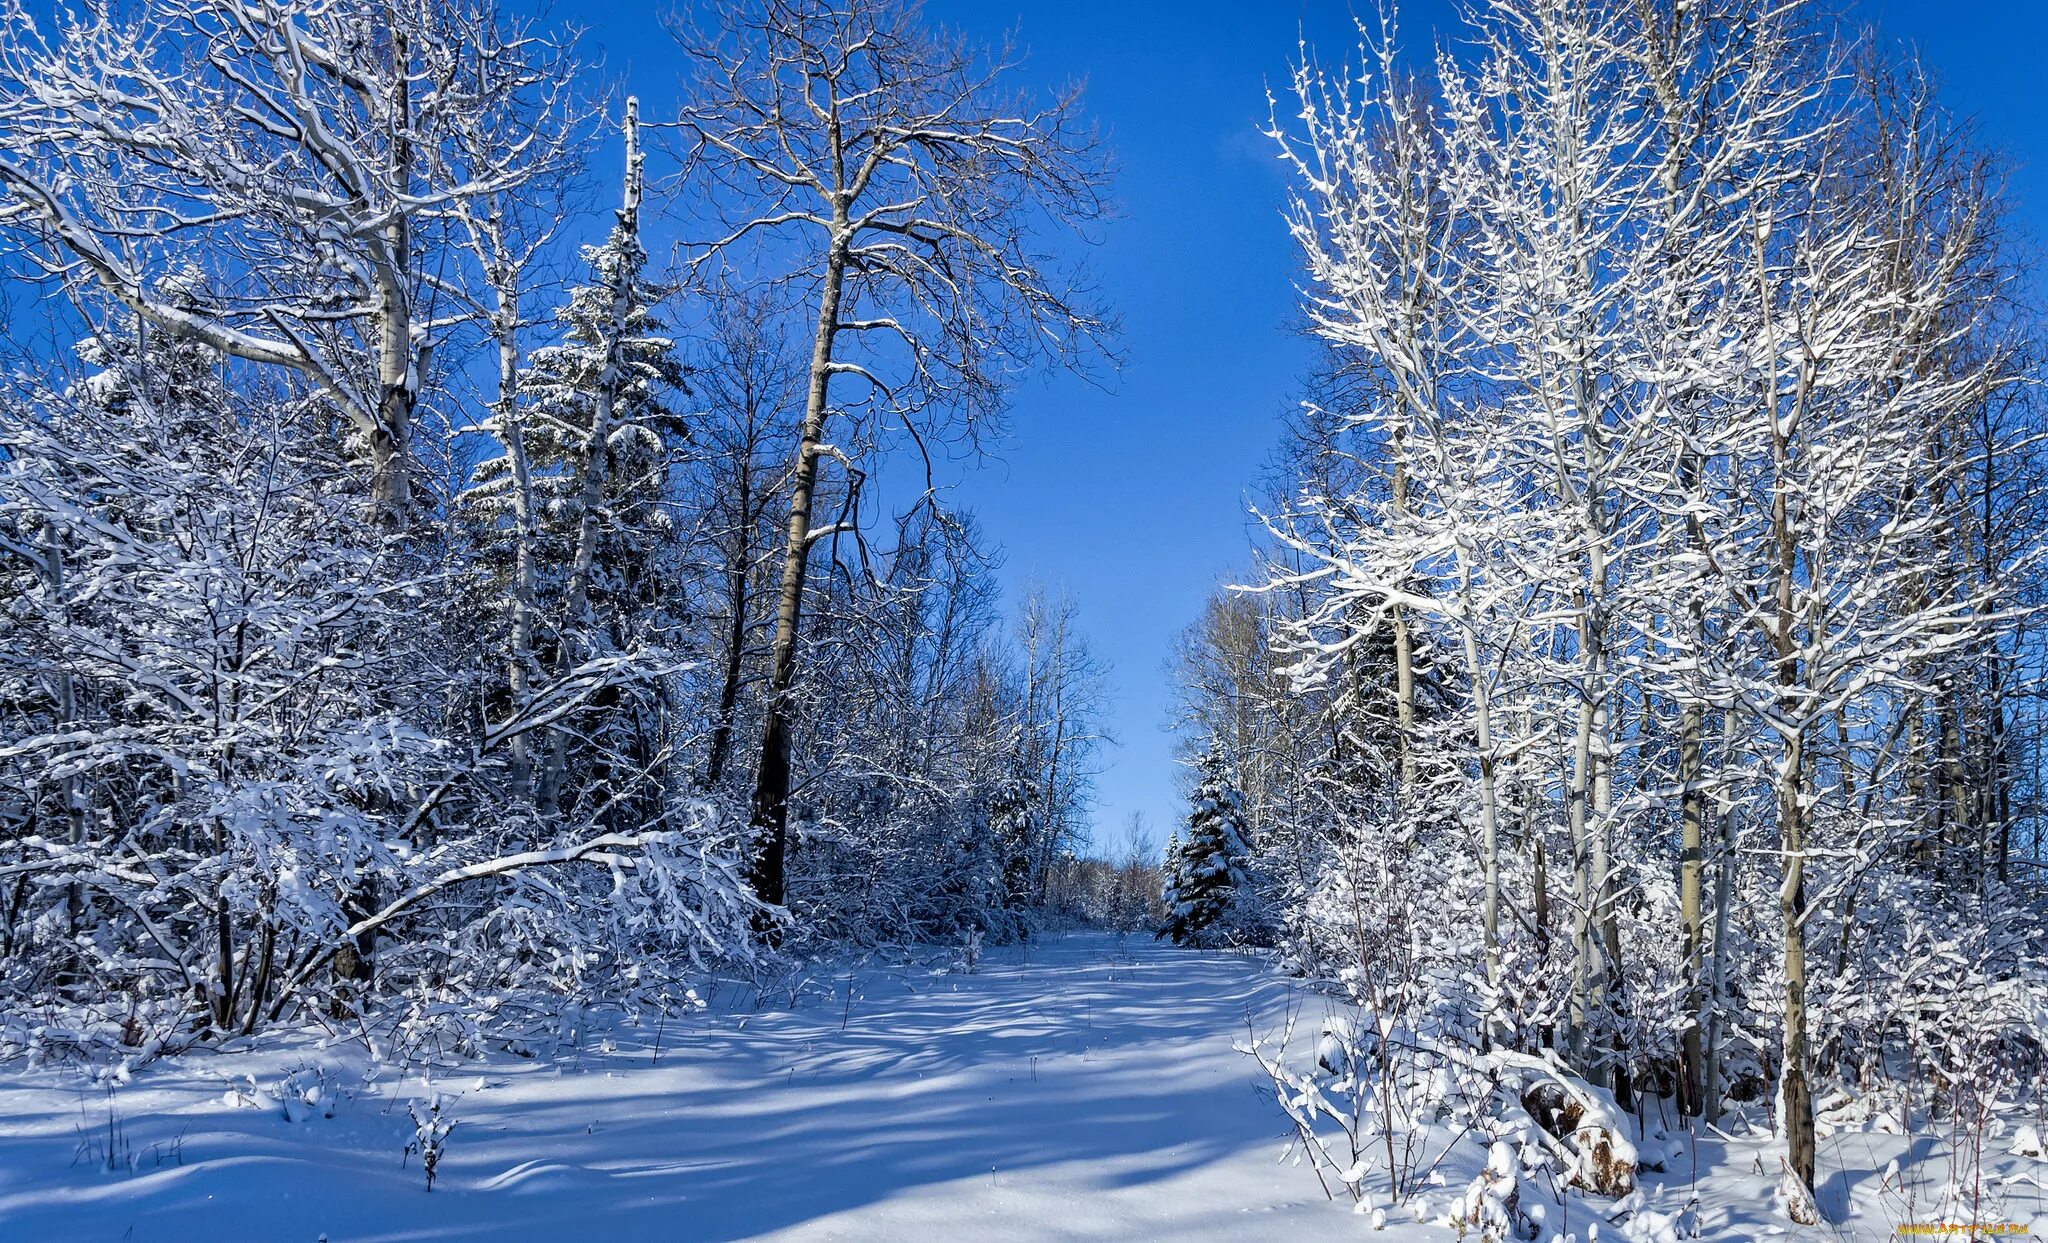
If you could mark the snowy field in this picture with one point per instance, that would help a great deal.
(1084, 1089)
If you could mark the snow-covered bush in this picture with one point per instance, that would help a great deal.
(1492, 1207)
(231, 745)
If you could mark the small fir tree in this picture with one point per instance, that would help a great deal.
(1206, 874)
(1170, 872)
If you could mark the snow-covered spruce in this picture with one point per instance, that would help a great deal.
(1208, 897)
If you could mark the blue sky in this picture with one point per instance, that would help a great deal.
(1134, 498)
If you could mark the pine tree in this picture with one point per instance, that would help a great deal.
(599, 443)
(1013, 823)
(1207, 885)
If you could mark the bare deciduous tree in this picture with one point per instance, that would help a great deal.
(884, 165)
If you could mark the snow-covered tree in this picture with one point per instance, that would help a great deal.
(952, 761)
(271, 749)
(1661, 328)
(585, 487)
(293, 155)
(1209, 898)
(231, 733)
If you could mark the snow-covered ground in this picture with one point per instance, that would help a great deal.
(1084, 1091)
(1084, 1088)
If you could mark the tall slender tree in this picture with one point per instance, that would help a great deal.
(883, 164)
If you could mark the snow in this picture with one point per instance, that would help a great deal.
(1080, 1088)
(2026, 1142)
(1083, 1088)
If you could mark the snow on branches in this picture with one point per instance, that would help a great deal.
(1644, 553)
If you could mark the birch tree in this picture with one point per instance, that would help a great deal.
(509, 234)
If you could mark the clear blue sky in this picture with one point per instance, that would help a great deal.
(1134, 499)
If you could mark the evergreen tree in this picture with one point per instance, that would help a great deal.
(1171, 869)
(600, 440)
(1013, 822)
(599, 443)
(1207, 888)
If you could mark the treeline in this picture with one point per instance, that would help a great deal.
(410, 614)
(1643, 657)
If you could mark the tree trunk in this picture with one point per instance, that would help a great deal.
(771, 781)
(1956, 802)
(1717, 966)
(71, 791)
(1489, 816)
(1795, 1094)
(1692, 816)
(1584, 893)
(1404, 655)
(1049, 831)
(519, 662)
(399, 364)
(736, 576)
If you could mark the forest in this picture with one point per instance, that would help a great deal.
(480, 588)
